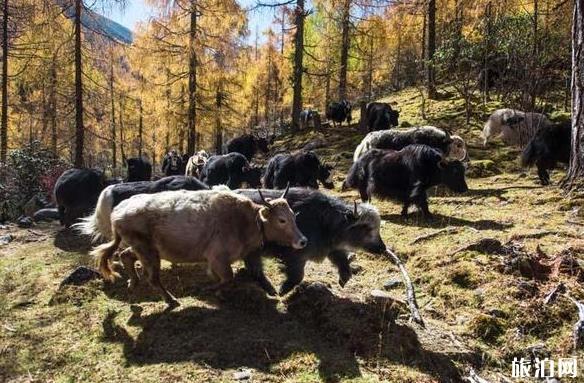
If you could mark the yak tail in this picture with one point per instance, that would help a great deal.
(103, 255)
(529, 155)
(98, 225)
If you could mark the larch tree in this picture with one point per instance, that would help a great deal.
(576, 168)
(4, 124)
(431, 48)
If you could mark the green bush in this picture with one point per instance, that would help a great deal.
(28, 171)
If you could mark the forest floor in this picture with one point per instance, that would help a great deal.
(483, 304)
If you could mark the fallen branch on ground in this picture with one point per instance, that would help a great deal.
(473, 377)
(410, 292)
(448, 230)
(579, 326)
(552, 295)
(535, 235)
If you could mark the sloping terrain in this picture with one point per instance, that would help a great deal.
(482, 269)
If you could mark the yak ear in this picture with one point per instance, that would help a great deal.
(263, 214)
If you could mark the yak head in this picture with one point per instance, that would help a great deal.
(279, 222)
(362, 229)
(262, 144)
(452, 175)
(457, 149)
(394, 117)
(324, 172)
(253, 176)
(348, 111)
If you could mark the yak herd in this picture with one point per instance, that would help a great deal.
(223, 208)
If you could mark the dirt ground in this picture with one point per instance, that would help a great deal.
(483, 302)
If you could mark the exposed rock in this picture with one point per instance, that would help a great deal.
(242, 375)
(6, 239)
(24, 222)
(392, 283)
(46, 215)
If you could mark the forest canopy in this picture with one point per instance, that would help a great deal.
(195, 74)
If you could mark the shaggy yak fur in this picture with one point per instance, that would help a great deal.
(98, 224)
(216, 226)
(405, 175)
(550, 145)
(453, 147)
(333, 229)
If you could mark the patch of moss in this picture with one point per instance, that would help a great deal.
(486, 327)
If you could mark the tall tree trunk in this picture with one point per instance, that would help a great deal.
(140, 128)
(192, 116)
(79, 129)
(168, 111)
(345, 24)
(218, 122)
(431, 49)
(181, 130)
(113, 113)
(256, 99)
(121, 119)
(4, 125)
(424, 30)
(53, 103)
(369, 82)
(397, 71)
(576, 168)
(298, 64)
(327, 84)
(533, 85)
(487, 49)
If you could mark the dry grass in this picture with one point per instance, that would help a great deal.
(478, 312)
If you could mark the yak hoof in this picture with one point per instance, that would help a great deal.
(343, 280)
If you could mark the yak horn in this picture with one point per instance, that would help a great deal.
(263, 200)
(355, 205)
(286, 191)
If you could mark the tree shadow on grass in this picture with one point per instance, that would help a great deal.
(439, 221)
(240, 333)
(498, 193)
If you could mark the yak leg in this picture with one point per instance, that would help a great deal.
(420, 198)
(294, 270)
(422, 203)
(253, 264)
(129, 261)
(151, 264)
(221, 269)
(365, 191)
(340, 259)
(405, 207)
(542, 173)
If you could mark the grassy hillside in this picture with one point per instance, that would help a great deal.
(483, 303)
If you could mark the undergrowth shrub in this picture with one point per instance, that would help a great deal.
(28, 171)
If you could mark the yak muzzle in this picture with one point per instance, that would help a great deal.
(300, 244)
